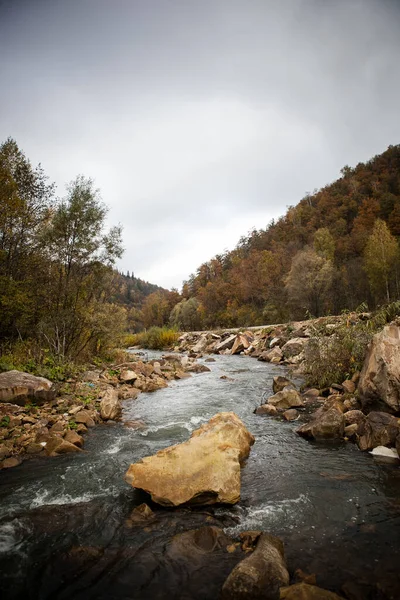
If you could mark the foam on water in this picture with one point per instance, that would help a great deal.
(261, 517)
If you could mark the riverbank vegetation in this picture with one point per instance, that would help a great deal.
(61, 300)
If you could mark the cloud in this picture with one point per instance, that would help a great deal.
(198, 120)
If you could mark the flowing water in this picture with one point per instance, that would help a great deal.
(64, 521)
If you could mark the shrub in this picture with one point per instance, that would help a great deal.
(337, 357)
(156, 338)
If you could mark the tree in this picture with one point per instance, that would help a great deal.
(381, 257)
(308, 282)
(26, 200)
(80, 255)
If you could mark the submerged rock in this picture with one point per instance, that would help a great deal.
(203, 470)
(260, 575)
(19, 387)
(304, 591)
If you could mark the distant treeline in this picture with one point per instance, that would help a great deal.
(336, 250)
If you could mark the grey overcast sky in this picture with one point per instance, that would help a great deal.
(198, 119)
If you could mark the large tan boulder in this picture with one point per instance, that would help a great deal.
(110, 406)
(380, 375)
(18, 387)
(294, 347)
(260, 575)
(203, 470)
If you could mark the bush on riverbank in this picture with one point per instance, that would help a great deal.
(337, 357)
(155, 338)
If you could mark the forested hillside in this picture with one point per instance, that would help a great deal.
(335, 250)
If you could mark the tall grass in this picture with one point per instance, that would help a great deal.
(155, 338)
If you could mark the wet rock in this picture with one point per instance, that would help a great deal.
(351, 404)
(380, 375)
(379, 429)
(273, 356)
(203, 470)
(140, 515)
(279, 383)
(58, 445)
(287, 398)
(260, 575)
(266, 409)
(74, 438)
(304, 591)
(127, 392)
(84, 416)
(326, 423)
(209, 360)
(110, 406)
(18, 387)
(8, 463)
(291, 414)
(81, 428)
(302, 577)
(34, 448)
(198, 368)
(195, 544)
(135, 424)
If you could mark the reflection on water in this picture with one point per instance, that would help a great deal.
(63, 521)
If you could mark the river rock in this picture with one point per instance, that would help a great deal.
(225, 344)
(84, 416)
(74, 438)
(291, 414)
(326, 423)
(378, 429)
(18, 387)
(260, 575)
(266, 409)
(279, 383)
(380, 375)
(287, 398)
(203, 470)
(110, 406)
(304, 591)
(273, 356)
(194, 544)
(352, 417)
(128, 376)
(198, 368)
(384, 452)
(58, 445)
(241, 343)
(294, 347)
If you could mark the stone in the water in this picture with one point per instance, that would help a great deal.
(291, 414)
(260, 575)
(110, 406)
(286, 398)
(378, 429)
(279, 383)
(304, 591)
(326, 423)
(203, 470)
(19, 388)
(385, 452)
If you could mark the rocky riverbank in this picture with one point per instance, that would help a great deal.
(38, 417)
(363, 408)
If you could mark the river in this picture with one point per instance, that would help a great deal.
(63, 521)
